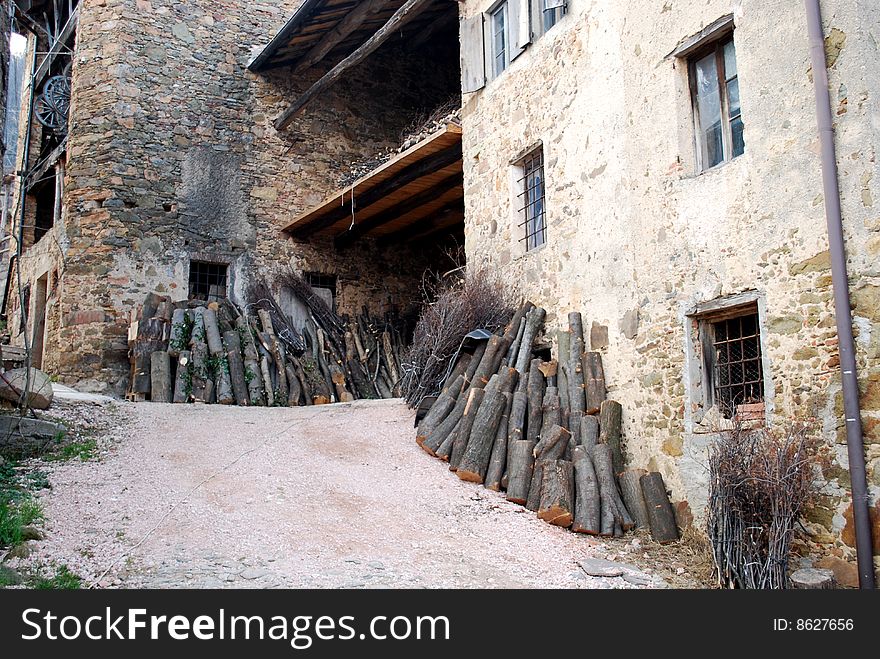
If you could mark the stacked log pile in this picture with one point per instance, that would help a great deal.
(544, 432)
(194, 351)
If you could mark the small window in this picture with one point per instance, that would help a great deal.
(324, 287)
(500, 41)
(551, 12)
(207, 281)
(530, 196)
(715, 95)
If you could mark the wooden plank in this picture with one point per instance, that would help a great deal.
(406, 176)
(303, 14)
(415, 201)
(354, 20)
(58, 48)
(443, 219)
(401, 17)
(473, 56)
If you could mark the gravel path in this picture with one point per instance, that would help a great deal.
(325, 497)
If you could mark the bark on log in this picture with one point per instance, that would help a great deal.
(594, 381)
(314, 380)
(534, 321)
(337, 375)
(183, 379)
(160, 377)
(609, 432)
(519, 317)
(474, 364)
(212, 332)
(440, 409)
(552, 415)
(536, 400)
(445, 449)
(201, 390)
(520, 464)
(267, 378)
(390, 359)
(661, 517)
(513, 351)
(362, 384)
(601, 456)
(179, 336)
(553, 443)
(557, 493)
(589, 431)
(484, 370)
(294, 388)
(435, 438)
(587, 507)
(498, 459)
(274, 347)
(516, 425)
(809, 578)
(478, 451)
(303, 381)
(575, 372)
(475, 400)
(152, 335)
(631, 491)
(533, 501)
(460, 368)
(232, 339)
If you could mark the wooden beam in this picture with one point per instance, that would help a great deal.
(444, 217)
(354, 20)
(302, 15)
(406, 206)
(405, 176)
(58, 47)
(433, 28)
(401, 17)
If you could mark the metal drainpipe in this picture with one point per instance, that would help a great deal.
(842, 311)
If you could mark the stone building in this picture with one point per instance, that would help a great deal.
(657, 166)
(653, 165)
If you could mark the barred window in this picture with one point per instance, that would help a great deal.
(738, 377)
(324, 286)
(207, 281)
(531, 199)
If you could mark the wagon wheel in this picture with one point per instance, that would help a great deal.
(53, 104)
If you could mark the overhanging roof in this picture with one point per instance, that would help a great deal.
(414, 194)
(320, 23)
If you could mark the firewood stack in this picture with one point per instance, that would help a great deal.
(543, 431)
(195, 351)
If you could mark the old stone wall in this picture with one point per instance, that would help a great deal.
(172, 156)
(637, 238)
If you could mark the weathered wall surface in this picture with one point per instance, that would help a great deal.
(172, 156)
(636, 238)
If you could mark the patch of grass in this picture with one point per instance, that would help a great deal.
(84, 449)
(63, 579)
(18, 508)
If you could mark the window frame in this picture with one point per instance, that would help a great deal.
(526, 221)
(538, 17)
(715, 46)
(499, 9)
(214, 264)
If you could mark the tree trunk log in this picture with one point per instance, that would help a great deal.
(475, 400)
(484, 370)
(440, 409)
(589, 431)
(267, 378)
(594, 381)
(631, 490)
(160, 377)
(553, 443)
(152, 335)
(552, 415)
(294, 387)
(275, 350)
(183, 379)
(574, 373)
(601, 456)
(809, 578)
(534, 321)
(179, 336)
(445, 449)
(557, 493)
(533, 502)
(475, 459)
(520, 464)
(498, 459)
(362, 384)
(588, 507)
(435, 438)
(661, 517)
(389, 358)
(513, 351)
(201, 390)
(609, 432)
(232, 339)
(474, 364)
(536, 402)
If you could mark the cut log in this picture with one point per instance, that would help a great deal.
(810, 578)
(183, 379)
(513, 351)
(520, 464)
(337, 375)
(661, 517)
(594, 381)
(253, 374)
(557, 493)
(389, 358)
(552, 415)
(484, 370)
(267, 378)
(294, 388)
(475, 400)
(474, 364)
(440, 409)
(180, 331)
(314, 380)
(275, 349)
(498, 459)
(587, 507)
(518, 318)
(516, 425)
(631, 491)
(609, 432)
(589, 431)
(434, 439)
(212, 332)
(536, 400)
(533, 502)
(363, 386)
(534, 322)
(160, 377)
(200, 389)
(553, 443)
(232, 340)
(445, 449)
(574, 372)
(460, 368)
(152, 335)
(475, 460)
(608, 492)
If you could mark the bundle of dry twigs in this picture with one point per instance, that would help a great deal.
(760, 484)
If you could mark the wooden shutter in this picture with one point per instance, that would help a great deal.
(520, 29)
(473, 56)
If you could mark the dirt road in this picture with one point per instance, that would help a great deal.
(331, 496)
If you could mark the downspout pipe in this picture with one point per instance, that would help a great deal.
(842, 310)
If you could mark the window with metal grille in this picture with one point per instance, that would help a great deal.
(738, 374)
(531, 199)
(207, 281)
(324, 287)
(715, 94)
